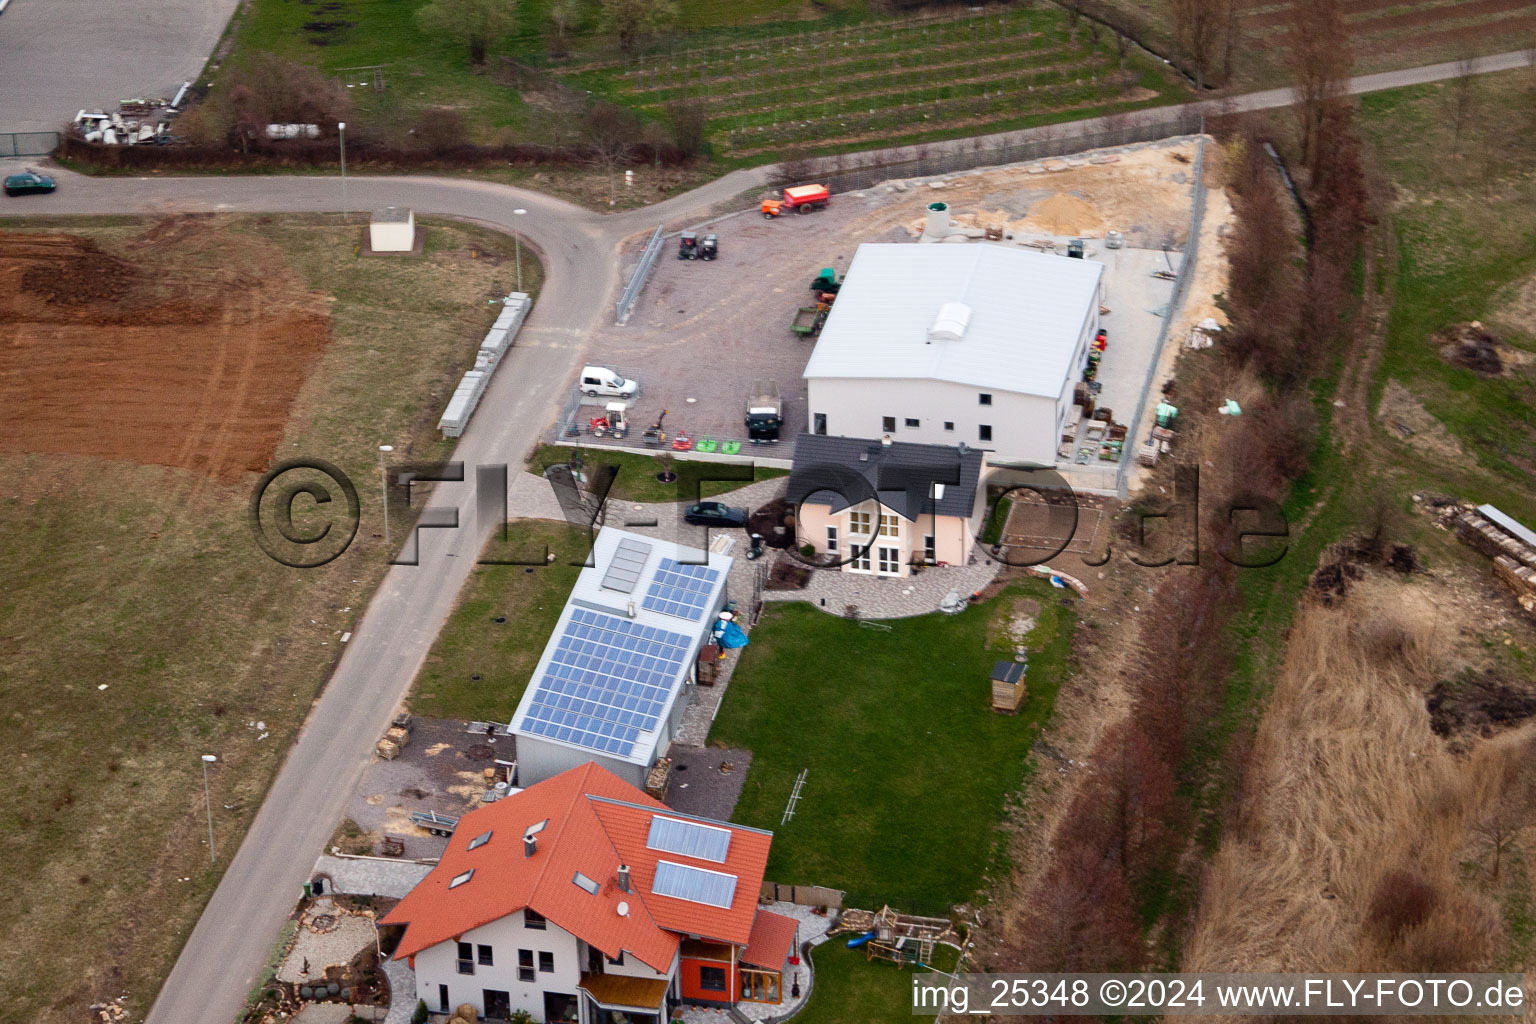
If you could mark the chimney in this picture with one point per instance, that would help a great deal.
(624, 877)
(530, 845)
(631, 609)
(886, 441)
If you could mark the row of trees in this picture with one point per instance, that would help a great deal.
(479, 25)
(1118, 863)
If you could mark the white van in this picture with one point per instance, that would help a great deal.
(599, 380)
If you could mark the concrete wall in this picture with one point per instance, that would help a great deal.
(438, 965)
(539, 759)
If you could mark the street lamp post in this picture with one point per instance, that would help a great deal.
(385, 449)
(517, 243)
(341, 132)
(207, 799)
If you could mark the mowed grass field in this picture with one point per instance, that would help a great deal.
(141, 626)
(909, 768)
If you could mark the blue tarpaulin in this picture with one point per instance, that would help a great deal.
(732, 636)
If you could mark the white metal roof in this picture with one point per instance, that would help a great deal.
(1027, 313)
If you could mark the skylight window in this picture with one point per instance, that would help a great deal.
(479, 841)
(534, 830)
(461, 879)
(585, 883)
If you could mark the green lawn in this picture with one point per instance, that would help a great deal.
(908, 765)
(503, 654)
(636, 479)
(850, 989)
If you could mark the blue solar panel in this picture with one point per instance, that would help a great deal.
(681, 590)
(608, 680)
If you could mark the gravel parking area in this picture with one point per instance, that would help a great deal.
(701, 333)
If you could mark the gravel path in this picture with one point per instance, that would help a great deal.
(402, 992)
(371, 877)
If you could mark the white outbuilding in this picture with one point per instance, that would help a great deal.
(392, 229)
(942, 344)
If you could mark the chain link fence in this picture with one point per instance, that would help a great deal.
(27, 143)
(638, 278)
(854, 171)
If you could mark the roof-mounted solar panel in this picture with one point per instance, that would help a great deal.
(681, 590)
(627, 564)
(696, 885)
(689, 838)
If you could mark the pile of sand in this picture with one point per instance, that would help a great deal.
(1064, 214)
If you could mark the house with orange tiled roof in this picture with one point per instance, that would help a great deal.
(583, 900)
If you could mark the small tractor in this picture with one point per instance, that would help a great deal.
(709, 247)
(654, 436)
(827, 282)
(687, 246)
(614, 421)
(800, 198)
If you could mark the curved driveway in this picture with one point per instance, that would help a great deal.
(581, 251)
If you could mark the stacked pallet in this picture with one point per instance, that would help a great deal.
(1507, 543)
(497, 340)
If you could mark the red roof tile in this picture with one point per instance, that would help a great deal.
(596, 822)
(773, 938)
(629, 825)
(505, 881)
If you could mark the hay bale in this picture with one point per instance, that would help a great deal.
(388, 749)
(466, 1011)
(400, 737)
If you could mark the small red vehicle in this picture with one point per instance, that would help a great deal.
(800, 198)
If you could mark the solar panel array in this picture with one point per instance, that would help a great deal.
(608, 680)
(625, 567)
(697, 885)
(681, 590)
(689, 838)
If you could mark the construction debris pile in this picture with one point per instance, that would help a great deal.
(135, 122)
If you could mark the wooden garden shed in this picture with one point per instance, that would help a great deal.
(1008, 689)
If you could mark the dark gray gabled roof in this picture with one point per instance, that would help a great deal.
(844, 471)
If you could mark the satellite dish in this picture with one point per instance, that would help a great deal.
(623, 909)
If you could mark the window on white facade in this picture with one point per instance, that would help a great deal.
(930, 549)
(889, 525)
(525, 965)
(913, 423)
(831, 540)
(533, 919)
(466, 958)
(949, 424)
(546, 962)
(483, 956)
(890, 560)
(861, 560)
(860, 523)
(985, 398)
(888, 424)
(984, 432)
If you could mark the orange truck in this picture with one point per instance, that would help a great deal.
(800, 198)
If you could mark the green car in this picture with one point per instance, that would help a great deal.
(28, 181)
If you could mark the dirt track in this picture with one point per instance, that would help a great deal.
(125, 356)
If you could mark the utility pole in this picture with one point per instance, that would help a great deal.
(385, 449)
(208, 800)
(517, 243)
(341, 133)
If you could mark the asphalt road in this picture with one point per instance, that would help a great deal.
(57, 56)
(581, 252)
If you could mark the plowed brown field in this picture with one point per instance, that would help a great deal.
(127, 355)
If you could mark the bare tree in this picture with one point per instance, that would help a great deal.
(1199, 24)
(632, 21)
(611, 136)
(1463, 98)
(477, 24)
(563, 15)
(1319, 60)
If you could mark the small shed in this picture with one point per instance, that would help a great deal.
(392, 229)
(1008, 689)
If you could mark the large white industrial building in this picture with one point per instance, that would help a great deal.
(941, 344)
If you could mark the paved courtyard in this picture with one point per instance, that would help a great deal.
(701, 333)
(58, 56)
